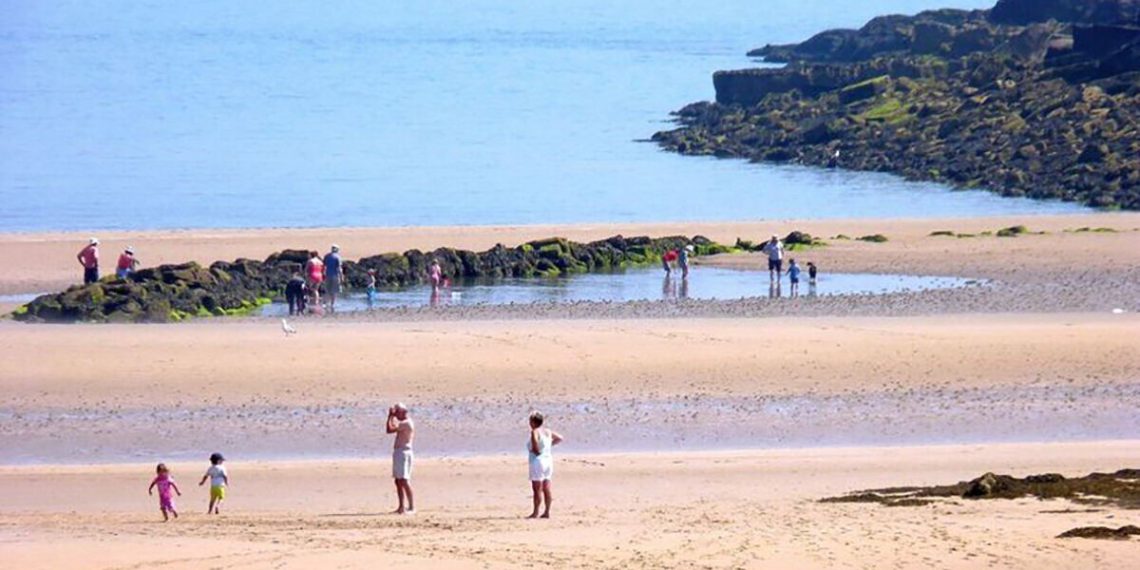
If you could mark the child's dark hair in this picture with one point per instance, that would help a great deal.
(161, 468)
(536, 419)
(216, 458)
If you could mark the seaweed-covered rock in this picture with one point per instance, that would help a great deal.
(178, 291)
(1035, 99)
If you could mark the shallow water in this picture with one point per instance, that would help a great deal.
(634, 285)
(151, 114)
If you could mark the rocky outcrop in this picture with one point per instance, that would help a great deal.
(1021, 12)
(1048, 109)
(175, 292)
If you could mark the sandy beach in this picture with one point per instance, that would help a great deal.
(701, 434)
(697, 510)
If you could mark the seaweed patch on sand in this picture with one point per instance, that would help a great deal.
(1119, 489)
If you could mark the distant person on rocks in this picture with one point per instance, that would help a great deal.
(435, 275)
(371, 288)
(400, 424)
(775, 250)
(315, 271)
(334, 275)
(127, 264)
(794, 277)
(541, 463)
(683, 260)
(166, 489)
(295, 291)
(89, 258)
(219, 481)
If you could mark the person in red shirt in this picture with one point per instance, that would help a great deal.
(667, 261)
(89, 258)
(127, 264)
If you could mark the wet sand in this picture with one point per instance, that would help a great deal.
(682, 384)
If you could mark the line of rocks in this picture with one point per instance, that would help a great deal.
(175, 292)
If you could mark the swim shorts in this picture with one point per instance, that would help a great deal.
(402, 464)
(217, 492)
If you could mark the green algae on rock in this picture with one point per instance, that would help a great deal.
(171, 293)
(1034, 99)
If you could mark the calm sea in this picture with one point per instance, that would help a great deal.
(156, 114)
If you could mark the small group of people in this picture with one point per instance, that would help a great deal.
(774, 248)
(88, 258)
(540, 465)
(303, 293)
(679, 256)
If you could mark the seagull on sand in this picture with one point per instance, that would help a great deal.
(287, 328)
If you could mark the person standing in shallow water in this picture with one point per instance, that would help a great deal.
(334, 275)
(400, 424)
(775, 250)
(794, 277)
(541, 464)
(89, 258)
(683, 260)
(315, 272)
(435, 275)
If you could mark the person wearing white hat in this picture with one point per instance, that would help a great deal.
(400, 424)
(89, 258)
(334, 275)
(127, 263)
(775, 250)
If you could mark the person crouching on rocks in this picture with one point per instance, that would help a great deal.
(295, 291)
(127, 264)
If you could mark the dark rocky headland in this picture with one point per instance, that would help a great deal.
(1037, 98)
(176, 292)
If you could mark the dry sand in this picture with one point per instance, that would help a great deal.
(1037, 357)
(698, 510)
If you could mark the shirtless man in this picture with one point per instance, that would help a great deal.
(400, 424)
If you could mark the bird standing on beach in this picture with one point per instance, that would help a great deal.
(287, 328)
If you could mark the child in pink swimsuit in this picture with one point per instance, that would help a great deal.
(165, 485)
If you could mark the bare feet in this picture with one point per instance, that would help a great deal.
(399, 511)
(545, 515)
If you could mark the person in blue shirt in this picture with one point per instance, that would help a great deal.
(794, 275)
(334, 275)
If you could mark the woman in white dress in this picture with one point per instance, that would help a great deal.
(541, 463)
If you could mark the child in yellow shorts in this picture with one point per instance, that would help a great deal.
(219, 480)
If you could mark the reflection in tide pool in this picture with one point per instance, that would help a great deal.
(633, 285)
